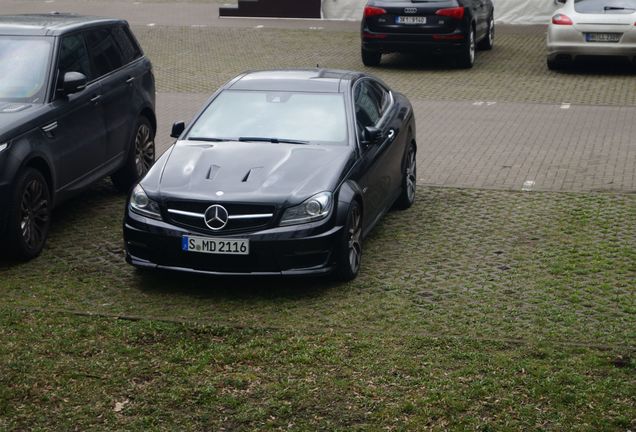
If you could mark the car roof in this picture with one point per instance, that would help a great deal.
(306, 80)
(52, 24)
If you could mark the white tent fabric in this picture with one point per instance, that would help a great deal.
(506, 11)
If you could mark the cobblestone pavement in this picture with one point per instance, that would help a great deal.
(504, 123)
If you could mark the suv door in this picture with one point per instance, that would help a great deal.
(112, 60)
(77, 136)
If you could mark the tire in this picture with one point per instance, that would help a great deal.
(466, 58)
(350, 247)
(141, 156)
(554, 64)
(409, 181)
(371, 58)
(29, 215)
(489, 40)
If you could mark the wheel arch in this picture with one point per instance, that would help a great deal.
(349, 191)
(150, 115)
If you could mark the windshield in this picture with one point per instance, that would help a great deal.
(605, 6)
(317, 118)
(23, 68)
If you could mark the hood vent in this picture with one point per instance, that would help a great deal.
(250, 172)
(212, 172)
(13, 108)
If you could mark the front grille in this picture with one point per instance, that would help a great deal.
(243, 216)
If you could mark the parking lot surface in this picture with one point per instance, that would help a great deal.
(506, 123)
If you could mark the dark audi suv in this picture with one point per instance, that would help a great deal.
(77, 99)
(282, 172)
(455, 27)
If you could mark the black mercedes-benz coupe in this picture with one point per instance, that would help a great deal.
(282, 172)
(455, 27)
(77, 100)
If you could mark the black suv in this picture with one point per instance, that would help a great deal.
(77, 100)
(454, 27)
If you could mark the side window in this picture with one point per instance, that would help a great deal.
(73, 56)
(367, 102)
(104, 51)
(127, 45)
(384, 97)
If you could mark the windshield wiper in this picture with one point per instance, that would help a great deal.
(606, 8)
(208, 139)
(273, 140)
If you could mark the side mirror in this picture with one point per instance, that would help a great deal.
(177, 129)
(371, 135)
(73, 82)
(559, 2)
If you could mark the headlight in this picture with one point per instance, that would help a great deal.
(315, 208)
(141, 204)
(3, 146)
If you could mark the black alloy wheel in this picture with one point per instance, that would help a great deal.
(409, 181)
(489, 40)
(140, 158)
(350, 253)
(30, 217)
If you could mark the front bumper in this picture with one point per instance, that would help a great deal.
(293, 250)
(401, 42)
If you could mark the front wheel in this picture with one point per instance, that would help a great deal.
(489, 40)
(371, 58)
(141, 156)
(350, 248)
(409, 181)
(29, 215)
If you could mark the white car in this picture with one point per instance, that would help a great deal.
(592, 28)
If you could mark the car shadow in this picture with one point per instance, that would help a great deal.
(418, 61)
(607, 66)
(235, 287)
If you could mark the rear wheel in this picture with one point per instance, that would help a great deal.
(370, 57)
(489, 40)
(141, 156)
(467, 56)
(555, 64)
(409, 181)
(350, 248)
(29, 215)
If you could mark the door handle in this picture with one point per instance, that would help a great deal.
(95, 99)
(130, 80)
(391, 135)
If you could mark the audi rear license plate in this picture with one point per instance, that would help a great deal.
(410, 20)
(219, 246)
(603, 37)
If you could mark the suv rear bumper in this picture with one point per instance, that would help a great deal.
(400, 42)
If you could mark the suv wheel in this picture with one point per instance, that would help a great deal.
(29, 215)
(371, 58)
(141, 156)
(489, 40)
(467, 56)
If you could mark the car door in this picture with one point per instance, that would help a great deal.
(116, 75)
(378, 159)
(77, 134)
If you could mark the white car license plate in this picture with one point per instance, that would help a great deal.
(603, 37)
(410, 20)
(219, 246)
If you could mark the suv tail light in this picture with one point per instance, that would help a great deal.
(560, 19)
(370, 11)
(455, 12)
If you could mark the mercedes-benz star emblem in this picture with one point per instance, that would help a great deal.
(216, 217)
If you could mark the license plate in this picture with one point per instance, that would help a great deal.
(410, 20)
(603, 37)
(218, 246)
